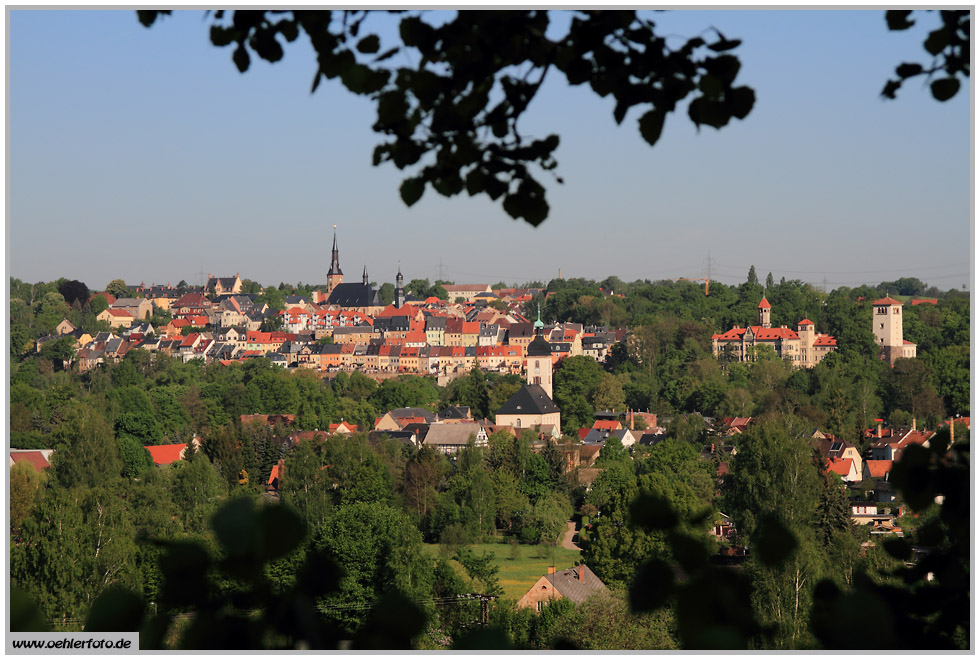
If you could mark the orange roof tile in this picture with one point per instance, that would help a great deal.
(922, 301)
(805, 322)
(166, 454)
(841, 466)
(878, 469)
(887, 301)
(764, 304)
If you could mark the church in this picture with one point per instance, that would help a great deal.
(352, 295)
(532, 405)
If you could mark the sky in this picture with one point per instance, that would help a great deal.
(142, 154)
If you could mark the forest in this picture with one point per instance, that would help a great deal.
(367, 527)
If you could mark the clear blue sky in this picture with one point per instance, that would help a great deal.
(143, 154)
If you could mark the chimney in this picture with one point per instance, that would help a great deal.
(581, 572)
(951, 430)
(913, 423)
(879, 430)
(631, 420)
(551, 570)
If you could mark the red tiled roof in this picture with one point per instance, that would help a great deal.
(887, 301)
(922, 301)
(825, 340)
(764, 304)
(35, 458)
(606, 424)
(120, 313)
(841, 466)
(166, 454)
(582, 433)
(908, 343)
(805, 322)
(274, 474)
(878, 469)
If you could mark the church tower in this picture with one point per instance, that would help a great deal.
(399, 288)
(539, 365)
(335, 276)
(364, 277)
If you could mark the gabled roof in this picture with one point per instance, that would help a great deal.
(34, 457)
(450, 434)
(878, 469)
(166, 454)
(577, 584)
(529, 400)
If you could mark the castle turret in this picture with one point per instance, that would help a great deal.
(764, 309)
(887, 328)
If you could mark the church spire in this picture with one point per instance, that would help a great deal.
(335, 276)
(364, 277)
(335, 257)
(538, 325)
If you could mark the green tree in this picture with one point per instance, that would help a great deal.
(380, 550)
(118, 289)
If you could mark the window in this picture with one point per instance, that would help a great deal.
(517, 424)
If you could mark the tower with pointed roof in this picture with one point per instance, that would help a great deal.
(364, 277)
(764, 309)
(335, 276)
(539, 367)
(399, 288)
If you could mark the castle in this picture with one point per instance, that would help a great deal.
(803, 347)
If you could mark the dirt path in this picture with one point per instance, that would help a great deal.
(566, 542)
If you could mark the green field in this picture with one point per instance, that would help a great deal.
(516, 576)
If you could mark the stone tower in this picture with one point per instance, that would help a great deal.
(399, 288)
(764, 309)
(539, 366)
(335, 276)
(887, 327)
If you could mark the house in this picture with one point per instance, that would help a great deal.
(116, 318)
(451, 438)
(64, 328)
(167, 454)
(224, 285)
(803, 347)
(845, 469)
(577, 584)
(599, 435)
(39, 458)
(465, 291)
(140, 308)
(891, 448)
(397, 419)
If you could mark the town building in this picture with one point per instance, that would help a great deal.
(803, 347)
